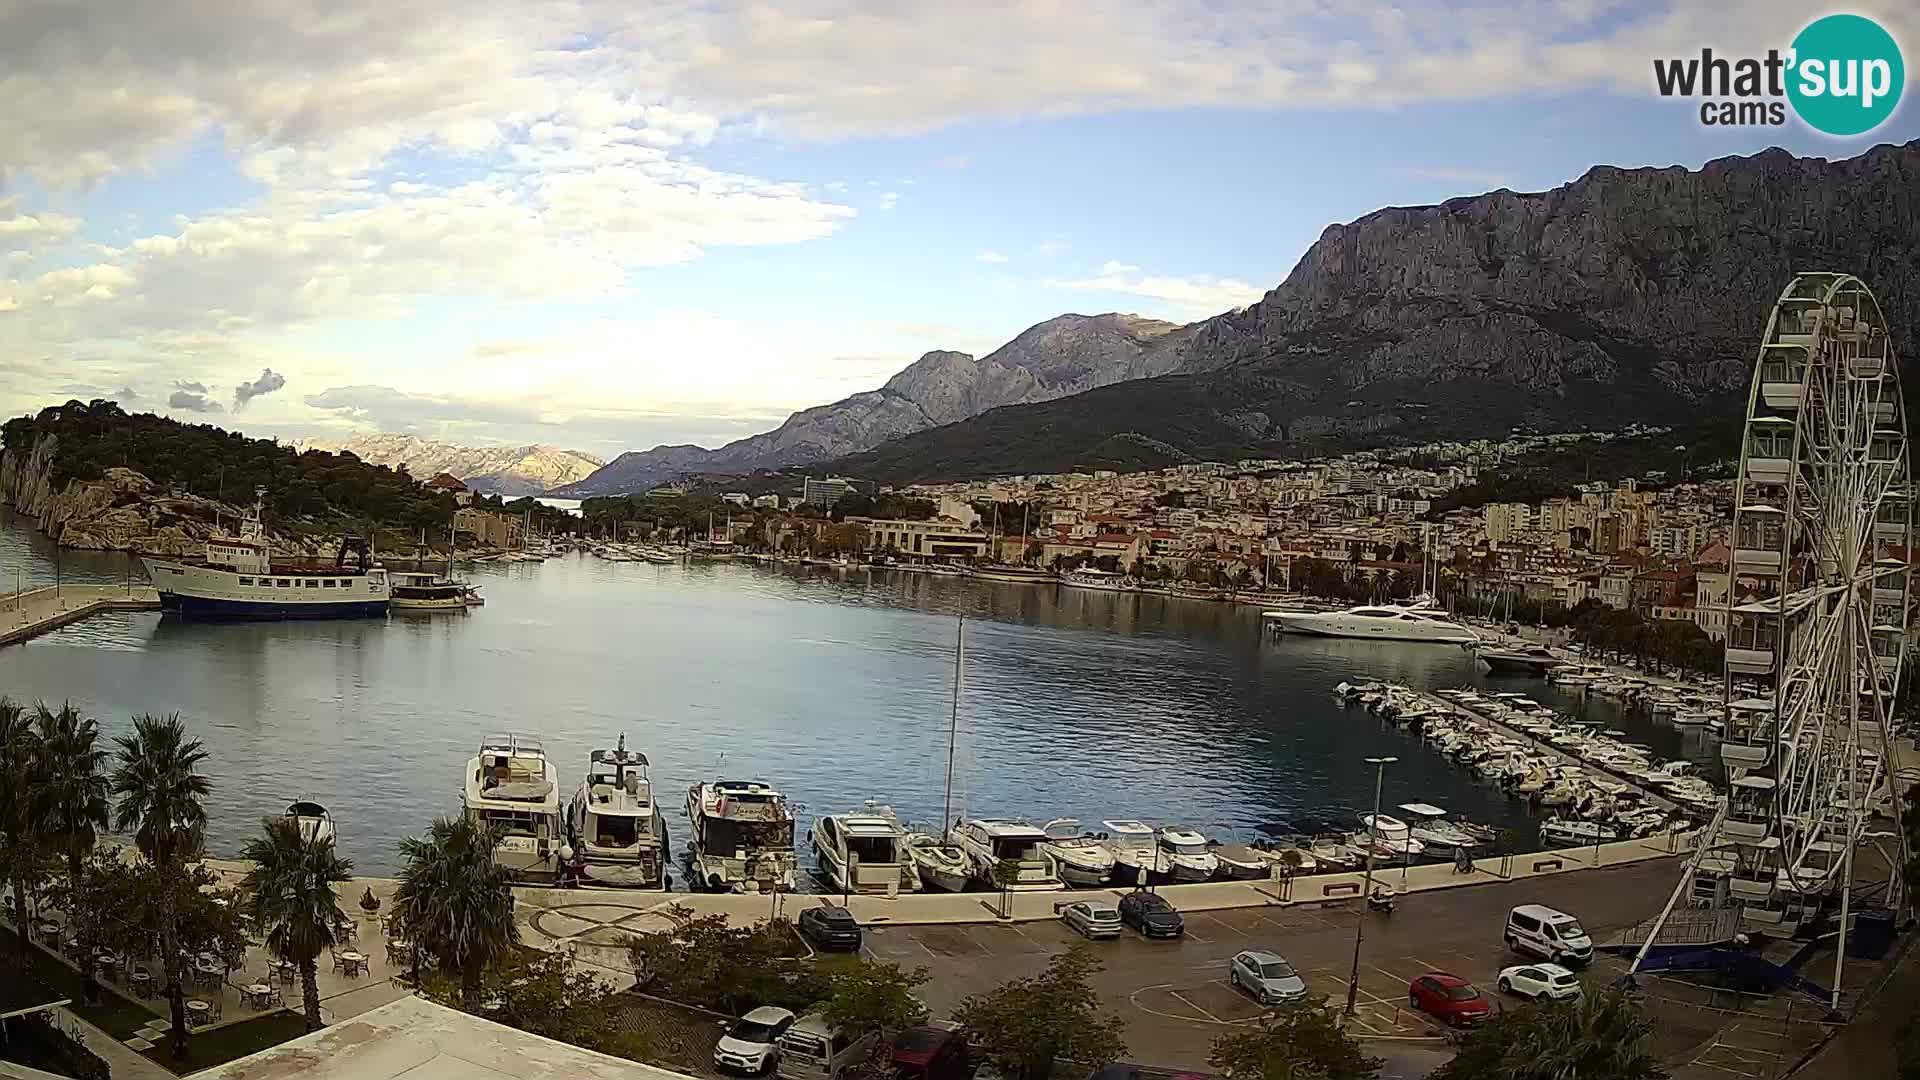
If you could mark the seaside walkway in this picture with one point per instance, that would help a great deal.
(33, 612)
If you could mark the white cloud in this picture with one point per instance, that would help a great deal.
(1179, 296)
(990, 257)
(889, 200)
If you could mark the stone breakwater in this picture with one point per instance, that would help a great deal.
(121, 511)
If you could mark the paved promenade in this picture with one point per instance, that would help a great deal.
(33, 612)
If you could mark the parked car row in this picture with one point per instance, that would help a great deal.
(1147, 912)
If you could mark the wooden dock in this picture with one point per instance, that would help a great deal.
(29, 614)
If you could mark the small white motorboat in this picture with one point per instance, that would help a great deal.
(1079, 858)
(1572, 832)
(312, 819)
(943, 867)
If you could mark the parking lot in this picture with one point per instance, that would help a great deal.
(1175, 993)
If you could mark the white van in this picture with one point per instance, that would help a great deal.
(813, 1050)
(1549, 934)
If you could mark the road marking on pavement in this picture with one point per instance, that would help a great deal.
(1188, 1002)
(1221, 922)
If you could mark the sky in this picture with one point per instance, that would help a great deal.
(606, 226)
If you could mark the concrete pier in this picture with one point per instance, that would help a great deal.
(33, 612)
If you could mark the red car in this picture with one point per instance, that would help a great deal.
(1448, 998)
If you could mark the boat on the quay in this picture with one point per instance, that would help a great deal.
(239, 579)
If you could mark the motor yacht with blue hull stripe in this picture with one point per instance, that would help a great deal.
(239, 579)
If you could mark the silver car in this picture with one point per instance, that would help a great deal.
(1092, 920)
(1267, 976)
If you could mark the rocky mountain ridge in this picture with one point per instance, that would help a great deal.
(503, 470)
(1627, 295)
(1062, 356)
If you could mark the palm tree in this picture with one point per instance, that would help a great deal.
(160, 797)
(73, 797)
(290, 893)
(455, 903)
(19, 843)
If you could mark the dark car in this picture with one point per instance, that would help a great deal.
(931, 1053)
(830, 927)
(1448, 998)
(1150, 914)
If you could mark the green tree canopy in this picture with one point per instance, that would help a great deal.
(1300, 1041)
(874, 995)
(1027, 1025)
(1603, 1036)
(707, 961)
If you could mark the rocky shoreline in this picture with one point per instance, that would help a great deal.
(121, 511)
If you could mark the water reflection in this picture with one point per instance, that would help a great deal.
(834, 685)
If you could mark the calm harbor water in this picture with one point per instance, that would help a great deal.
(834, 685)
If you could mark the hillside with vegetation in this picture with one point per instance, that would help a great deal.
(117, 479)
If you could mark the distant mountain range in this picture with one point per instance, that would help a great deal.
(1628, 295)
(502, 470)
(1059, 357)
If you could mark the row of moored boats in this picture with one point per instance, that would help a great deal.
(1520, 745)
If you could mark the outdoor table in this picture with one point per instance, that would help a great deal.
(142, 983)
(198, 1012)
(260, 994)
(355, 963)
(106, 958)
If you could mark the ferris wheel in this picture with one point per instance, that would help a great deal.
(1818, 604)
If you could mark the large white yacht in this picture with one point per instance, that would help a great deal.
(615, 826)
(512, 788)
(239, 579)
(1418, 621)
(742, 837)
(990, 842)
(864, 852)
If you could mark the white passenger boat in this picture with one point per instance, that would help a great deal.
(1135, 856)
(428, 592)
(1428, 825)
(1099, 580)
(1185, 856)
(513, 789)
(990, 842)
(1079, 858)
(1419, 621)
(614, 823)
(864, 851)
(1388, 838)
(1568, 832)
(742, 837)
(312, 819)
(240, 579)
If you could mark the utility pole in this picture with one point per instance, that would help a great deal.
(1366, 893)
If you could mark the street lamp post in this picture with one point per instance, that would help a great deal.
(1360, 921)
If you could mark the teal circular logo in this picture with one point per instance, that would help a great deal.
(1846, 75)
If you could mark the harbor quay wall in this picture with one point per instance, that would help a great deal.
(636, 910)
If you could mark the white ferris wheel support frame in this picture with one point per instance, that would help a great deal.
(1818, 513)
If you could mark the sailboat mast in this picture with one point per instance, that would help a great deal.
(953, 725)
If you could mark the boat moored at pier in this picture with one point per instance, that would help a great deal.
(616, 829)
(742, 837)
(514, 790)
(239, 579)
(989, 843)
(864, 851)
